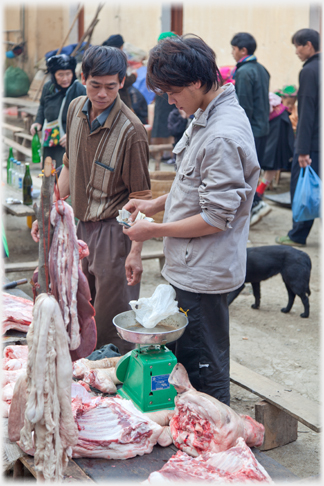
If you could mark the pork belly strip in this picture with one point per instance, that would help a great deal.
(16, 309)
(63, 268)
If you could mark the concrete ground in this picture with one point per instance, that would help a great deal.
(283, 347)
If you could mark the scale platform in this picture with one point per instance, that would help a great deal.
(145, 371)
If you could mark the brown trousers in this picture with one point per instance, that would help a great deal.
(105, 271)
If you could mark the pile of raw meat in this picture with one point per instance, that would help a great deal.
(14, 364)
(235, 465)
(215, 441)
(16, 313)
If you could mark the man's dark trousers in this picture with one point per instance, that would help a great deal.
(203, 349)
(300, 231)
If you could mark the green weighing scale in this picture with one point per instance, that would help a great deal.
(145, 371)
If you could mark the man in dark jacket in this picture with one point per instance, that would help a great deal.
(306, 151)
(118, 42)
(252, 89)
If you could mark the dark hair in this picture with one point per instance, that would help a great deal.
(243, 39)
(114, 41)
(302, 36)
(61, 61)
(104, 61)
(180, 61)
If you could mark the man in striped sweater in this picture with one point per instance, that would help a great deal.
(105, 165)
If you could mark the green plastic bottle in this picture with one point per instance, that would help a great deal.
(27, 187)
(9, 165)
(36, 148)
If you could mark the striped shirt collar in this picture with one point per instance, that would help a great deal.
(100, 120)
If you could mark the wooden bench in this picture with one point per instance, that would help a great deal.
(21, 150)
(158, 255)
(157, 151)
(30, 266)
(281, 409)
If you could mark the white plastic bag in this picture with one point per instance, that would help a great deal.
(151, 310)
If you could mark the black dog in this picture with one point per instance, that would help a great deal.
(264, 262)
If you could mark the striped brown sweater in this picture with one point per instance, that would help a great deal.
(108, 166)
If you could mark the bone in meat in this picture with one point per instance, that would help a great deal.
(49, 375)
(113, 429)
(236, 465)
(201, 423)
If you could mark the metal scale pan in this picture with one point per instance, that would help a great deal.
(166, 331)
(145, 371)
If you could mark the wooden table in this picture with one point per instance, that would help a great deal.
(16, 209)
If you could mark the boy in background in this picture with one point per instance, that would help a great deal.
(252, 90)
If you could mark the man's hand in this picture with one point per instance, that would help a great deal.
(35, 231)
(134, 267)
(135, 206)
(304, 160)
(63, 141)
(140, 231)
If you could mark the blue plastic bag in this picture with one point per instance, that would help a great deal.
(307, 199)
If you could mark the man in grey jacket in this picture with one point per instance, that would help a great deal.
(207, 211)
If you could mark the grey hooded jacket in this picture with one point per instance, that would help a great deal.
(217, 175)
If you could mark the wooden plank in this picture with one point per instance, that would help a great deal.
(20, 267)
(20, 148)
(21, 101)
(150, 256)
(299, 407)
(27, 136)
(13, 128)
(18, 209)
(72, 473)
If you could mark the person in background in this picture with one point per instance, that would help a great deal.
(288, 95)
(139, 104)
(252, 90)
(279, 147)
(118, 41)
(160, 133)
(55, 99)
(207, 212)
(178, 121)
(306, 150)
(227, 74)
(105, 164)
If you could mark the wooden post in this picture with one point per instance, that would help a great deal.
(43, 217)
(280, 427)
